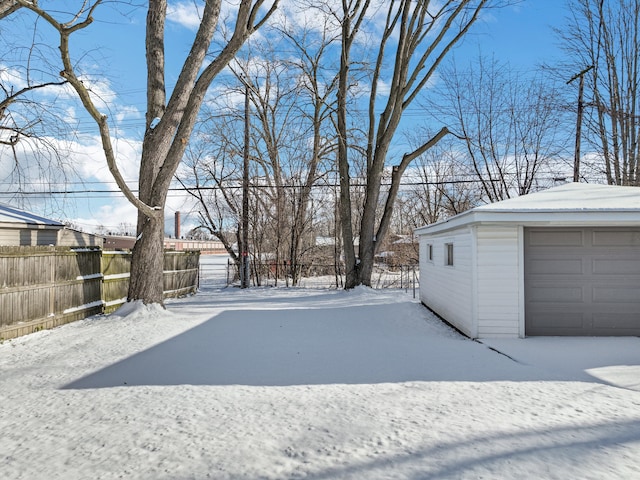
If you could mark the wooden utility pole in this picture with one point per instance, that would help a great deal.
(244, 250)
(576, 158)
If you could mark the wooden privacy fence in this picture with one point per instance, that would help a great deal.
(43, 287)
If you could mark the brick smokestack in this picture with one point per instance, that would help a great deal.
(177, 225)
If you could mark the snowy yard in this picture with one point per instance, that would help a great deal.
(278, 384)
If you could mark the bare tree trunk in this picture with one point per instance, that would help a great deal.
(424, 35)
(353, 15)
(168, 124)
(147, 261)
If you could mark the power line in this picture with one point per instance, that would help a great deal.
(189, 189)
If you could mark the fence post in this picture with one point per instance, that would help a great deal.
(52, 281)
(414, 281)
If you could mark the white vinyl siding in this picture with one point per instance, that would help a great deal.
(498, 302)
(498, 281)
(447, 289)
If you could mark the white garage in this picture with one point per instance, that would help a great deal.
(564, 261)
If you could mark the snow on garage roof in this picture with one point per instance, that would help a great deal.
(572, 204)
(572, 196)
(11, 215)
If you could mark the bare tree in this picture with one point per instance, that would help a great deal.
(210, 175)
(273, 92)
(15, 123)
(416, 37)
(316, 93)
(169, 121)
(606, 36)
(510, 126)
(290, 103)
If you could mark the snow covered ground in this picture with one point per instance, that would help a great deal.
(292, 383)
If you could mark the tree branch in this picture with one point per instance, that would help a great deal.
(69, 74)
(14, 96)
(7, 7)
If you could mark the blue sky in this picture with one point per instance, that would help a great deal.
(521, 35)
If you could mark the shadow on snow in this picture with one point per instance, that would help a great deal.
(350, 345)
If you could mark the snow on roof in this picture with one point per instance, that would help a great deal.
(405, 239)
(13, 215)
(577, 204)
(325, 241)
(572, 196)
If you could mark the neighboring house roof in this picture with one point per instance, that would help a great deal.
(325, 241)
(12, 216)
(573, 203)
(406, 240)
(331, 241)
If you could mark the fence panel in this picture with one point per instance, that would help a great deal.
(43, 287)
(181, 272)
(116, 266)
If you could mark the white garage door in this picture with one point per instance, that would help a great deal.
(582, 281)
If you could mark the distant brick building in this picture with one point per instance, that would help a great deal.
(125, 242)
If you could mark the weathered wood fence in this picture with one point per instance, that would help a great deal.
(43, 287)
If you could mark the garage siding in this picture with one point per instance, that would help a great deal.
(28, 236)
(499, 281)
(447, 289)
(582, 281)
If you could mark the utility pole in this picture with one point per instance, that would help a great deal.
(245, 274)
(576, 158)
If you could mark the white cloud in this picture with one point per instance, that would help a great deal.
(185, 13)
(88, 156)
(125, 112)
(11, 78)
(80, 165)
(323, 17)
(108, 216)
(112, 210)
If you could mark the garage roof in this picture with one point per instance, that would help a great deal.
(572, 204)
(10, 216)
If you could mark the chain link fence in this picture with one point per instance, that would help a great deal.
(219, 271)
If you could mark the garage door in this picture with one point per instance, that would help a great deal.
(582, 281)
